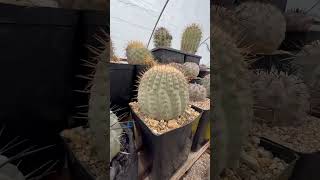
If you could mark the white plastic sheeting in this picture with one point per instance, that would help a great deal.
(135, 19)
(304, 4)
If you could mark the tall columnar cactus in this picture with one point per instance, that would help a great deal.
(280, 99)
(206, 83)
(163, 93)
(191, 70)
(137, 53)
(265, 26)
(115, 133)
(162, 37)
(298, 20)
(98, 106)
(197, 92)
(191, 38)
(232, 100)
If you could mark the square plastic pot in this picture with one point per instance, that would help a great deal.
(282, 152)
(169, 55)
(199, 138)
(167, 151)
(37, 66)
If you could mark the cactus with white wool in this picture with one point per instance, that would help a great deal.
(163, 93)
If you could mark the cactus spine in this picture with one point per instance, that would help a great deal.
(233, 101)
(191, 70)
(197, 92)
(163, 93)
(191, 38)
(137, 53)
(162, 37)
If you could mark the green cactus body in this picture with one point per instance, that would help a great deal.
(206, 83)
(286, 101)
(197, 92)
(265, 27)
(191, 38)
(138, 54)
(232, 100)
(98, 105)
(163, 93)
(162, 37)
(115, 133)
(191, 70)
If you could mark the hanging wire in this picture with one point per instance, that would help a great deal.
(157, 22)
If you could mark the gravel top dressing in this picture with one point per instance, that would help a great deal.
(204, 105)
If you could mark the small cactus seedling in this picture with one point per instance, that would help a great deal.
(206, 83)
(163, 93)
(298, 20)
(283, 97)
(265, 26)
(197, 92)
(233, 103)
(162, 37)
(191, 70)
(115, 133)
(138, 54)
(191, 38)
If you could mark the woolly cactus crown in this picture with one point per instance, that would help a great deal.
(163, 93)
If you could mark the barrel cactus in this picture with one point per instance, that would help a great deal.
(280, 99)
(191, 38)
(191, 70)
(233, 102)
(265, 26)
(298, 20)
(178, 66)
(115, 133)
(162, 37)
(197, 92)
(206, 83)
(163, 93)
(138, 54)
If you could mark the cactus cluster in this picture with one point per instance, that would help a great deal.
(138, 54)
(233, 101)
(280, 99)
(191, 70)
(162, 37)
(115, 133)
(163, 93)
(197, 92)
(206, 83)
(191, 38)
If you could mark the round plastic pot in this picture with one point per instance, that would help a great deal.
(199, 138)
(168, 55)
(282, 152)
(37, 66)
(122, 77)
(167, 151)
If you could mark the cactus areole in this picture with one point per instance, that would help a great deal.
(163, 93)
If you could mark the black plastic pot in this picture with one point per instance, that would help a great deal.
(282, 152)
(122, 80)
(198, 138)
(196, 81)
(169, 55)
(167, 151)
(307, 167)
(37, 66)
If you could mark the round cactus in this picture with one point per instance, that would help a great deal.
(265, 26)
(163, 93)
(178, 66)
(232, 100)
(115, 133)
(197, 92)
(162, 37)
(298, 21)
(280, 99)
(137, 53)
(206, 83)
(191, 70)
(191, 38)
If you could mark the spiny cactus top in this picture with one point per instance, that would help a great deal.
(265, 26)
(191, 38)
(232, 100)
(162, 37)
(137, 53)
(191, 70)
(163, 93)
(115, 133)
(197, 92)
(286, 95)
